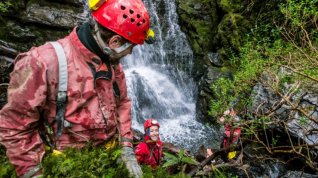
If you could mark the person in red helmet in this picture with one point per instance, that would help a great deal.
(149, 152)
(231, 134)
(73, 91)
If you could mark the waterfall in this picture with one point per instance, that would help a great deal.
(159, 82)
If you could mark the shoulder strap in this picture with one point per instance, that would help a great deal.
(62, 66)
(61, 99)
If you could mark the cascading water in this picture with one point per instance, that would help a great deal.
(159, 83)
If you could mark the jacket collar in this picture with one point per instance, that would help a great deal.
(85, 43)
(151, 143)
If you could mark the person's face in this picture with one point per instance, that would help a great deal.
(116, 41)
(154, 133)
(115, 58)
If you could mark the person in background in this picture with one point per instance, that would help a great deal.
(80, 99)
(231, 132)
(149, 152)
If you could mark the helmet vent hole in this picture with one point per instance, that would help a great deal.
(131, 11)
(138, 16)
(122, 7)
(125, 16)
(139, 23)
(143, 21)
(132, 20)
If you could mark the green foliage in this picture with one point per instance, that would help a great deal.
(275, 140)
(160, 172)
(217, 173)
(250, 64)
(87, 162)
(4, 5)
(92, 162)
(303, 121)
(301, 21)
(180, 160)
(6, 168)
(223, 88)
(291, 44)
(230, 33)
(231, 5)
(300, 12)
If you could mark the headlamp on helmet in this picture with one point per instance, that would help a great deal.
(95, 4)
(150, 39)
(150, 122)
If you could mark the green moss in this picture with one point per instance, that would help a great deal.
(196, 47)
(160, 172)
(231, 6)
(231, 31)
(198, 19)
(4, 6)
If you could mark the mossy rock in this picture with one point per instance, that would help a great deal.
(23, 37)
(58, 3)
(231, 31)
(11, 8)
(232, 6)
(198, 19)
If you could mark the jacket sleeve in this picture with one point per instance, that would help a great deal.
(19, 117)
(140, 152)
(123, 109)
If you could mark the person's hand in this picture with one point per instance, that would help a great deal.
(129, 158)
(35, 172)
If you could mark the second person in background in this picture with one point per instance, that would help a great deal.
(149, 152)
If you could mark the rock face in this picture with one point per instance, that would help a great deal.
(206, 94)
(215, 30)
(297, 174)
(31, 23)
(296, 103)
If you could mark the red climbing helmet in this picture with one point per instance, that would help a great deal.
(128, 18)
(150, 122)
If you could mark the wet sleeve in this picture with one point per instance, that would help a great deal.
(19, 117)
(123, 109)
(140, 153)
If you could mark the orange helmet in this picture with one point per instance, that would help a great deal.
(127, 18)
(150, 122)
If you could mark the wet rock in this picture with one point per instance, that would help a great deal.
(266, 100)
(198, 19)
(206, 94)
(5, 49)
(298, 174)
(201, 154)
(197, 6)
(78, 3)
(5, 68)
(214, 58)
(51, 16)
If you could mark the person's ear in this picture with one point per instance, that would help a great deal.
(115, 42)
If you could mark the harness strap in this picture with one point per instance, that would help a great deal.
(154, 155)
(61, 99)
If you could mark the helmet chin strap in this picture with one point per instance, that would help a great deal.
(106, 48)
